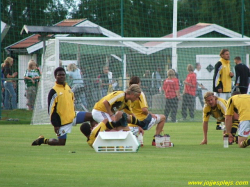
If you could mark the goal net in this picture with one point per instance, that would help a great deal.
(148, 58)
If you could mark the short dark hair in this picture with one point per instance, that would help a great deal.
(237, 58)
(134, 80)
(58, 69)
(86, 129)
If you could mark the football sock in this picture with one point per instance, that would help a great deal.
(45, 140)
(120, 122)
(246, 143)
(135, 121)
(218, 123)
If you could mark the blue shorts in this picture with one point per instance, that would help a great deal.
(80, 116)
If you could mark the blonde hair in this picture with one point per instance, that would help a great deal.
(190, 67)
(8, 61)
(71, 67)
(134, 89)
(208, 94)
(31, 63)
(170, 73)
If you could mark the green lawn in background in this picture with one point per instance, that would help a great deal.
(24, 165)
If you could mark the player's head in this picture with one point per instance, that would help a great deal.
(105, 69)
(60, 75)
(224, 53)
(210, 99)
(134, 80)
(236, 93)
(86, 128)
(133, 92)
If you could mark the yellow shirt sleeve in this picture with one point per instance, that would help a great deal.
(94, 133)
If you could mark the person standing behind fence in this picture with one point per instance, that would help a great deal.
(242, 74)
(104, 78)
(222, 79)
(31, 79)
(189, 93)
(146, 85)
(156, 81)
(172, 94)
(10, 101)
(77, 84)
(200, 86)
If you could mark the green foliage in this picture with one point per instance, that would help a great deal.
(24, 165)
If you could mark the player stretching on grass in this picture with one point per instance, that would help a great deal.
(61, 111)
(239, 103)
(216, 107)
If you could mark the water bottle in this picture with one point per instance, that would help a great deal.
(225, 140)
(140, 139)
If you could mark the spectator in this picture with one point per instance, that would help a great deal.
(172, 94)
(10, 101)
(222, 79)
(146, 85)
(156, 81)
(77, 85)
(105, 82)
(31, 79)
(242, 74)
(189, 93)
(200, 86)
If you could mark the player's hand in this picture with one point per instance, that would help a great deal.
(220, 90)
(56, 129)
(230, 137)
(113, 118)
(231, 74)
(141, 130)
(203, 142)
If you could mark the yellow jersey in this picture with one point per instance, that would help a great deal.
(218, 112)
(116, 100)
(240, 105)
(94, 133)
(137, 106)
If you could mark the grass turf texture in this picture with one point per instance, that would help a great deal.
(24, 165)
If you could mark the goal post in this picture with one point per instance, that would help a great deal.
(127, 57)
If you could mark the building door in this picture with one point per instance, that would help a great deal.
(207, 70)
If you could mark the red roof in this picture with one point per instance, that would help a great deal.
(180, 33)
(29, 41)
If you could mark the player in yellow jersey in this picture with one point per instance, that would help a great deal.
(115, 101)
(240, 104)
(140, 111)
(215, 107)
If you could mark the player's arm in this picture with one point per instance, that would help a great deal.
(205, 129)
(237, 80)
(216, 79)
(229, 117)
(109, 111)
(52, 103)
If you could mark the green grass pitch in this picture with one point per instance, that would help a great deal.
(45, 166)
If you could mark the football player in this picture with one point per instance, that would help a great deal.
(239, 103)
(216, 107)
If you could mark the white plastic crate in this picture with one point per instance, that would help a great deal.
(120, 141)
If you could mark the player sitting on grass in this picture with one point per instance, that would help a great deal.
(239, 103)
(140, 111)
(61, 111)
(216, 107)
